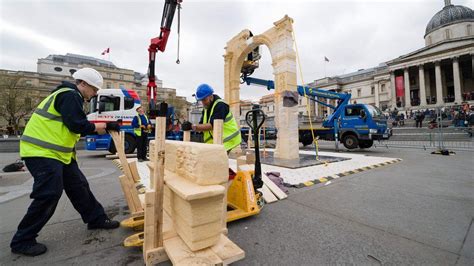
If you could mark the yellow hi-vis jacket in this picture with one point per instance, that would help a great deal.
(138, 131)
(46, 135)
(231, 132)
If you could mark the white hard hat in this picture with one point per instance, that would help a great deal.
(89, 75)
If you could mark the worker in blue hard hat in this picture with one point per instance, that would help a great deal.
(215, 108)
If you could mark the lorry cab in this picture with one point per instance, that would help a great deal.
(113, 105)
(360, 124)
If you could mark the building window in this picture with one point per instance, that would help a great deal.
(358, 92)
(109, 75)
(372, 90)
(120, 76)
(58, 69)
(121, 85)
(109, 85)
(447, 34)
(382, 88)
(469, 29)
(429, 40)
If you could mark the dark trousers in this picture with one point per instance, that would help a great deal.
(50, 178)
(418, 123)
(142, 146)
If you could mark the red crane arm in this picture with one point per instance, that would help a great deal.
(159, 44)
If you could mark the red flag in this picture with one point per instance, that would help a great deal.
(106, 51)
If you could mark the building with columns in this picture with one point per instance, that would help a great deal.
(439, 74)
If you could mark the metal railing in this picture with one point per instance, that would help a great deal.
(440, 135)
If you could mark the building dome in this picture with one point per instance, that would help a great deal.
(450, 14)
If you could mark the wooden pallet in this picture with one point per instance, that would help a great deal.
(161, 242)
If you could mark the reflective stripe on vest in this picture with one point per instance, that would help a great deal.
(231, 132)
(138, 131)
(46, 135)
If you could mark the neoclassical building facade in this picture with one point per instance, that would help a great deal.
(439, 74)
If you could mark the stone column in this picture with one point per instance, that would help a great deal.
(316, 109)
(421, 77)
(286, 118)
(439, 84)
(457, 81)
(472, 65)
(393, 93)
(328, 110)
(376, 92)
(406, 78)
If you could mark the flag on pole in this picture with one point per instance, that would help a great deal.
(106, 51)
(326, 59)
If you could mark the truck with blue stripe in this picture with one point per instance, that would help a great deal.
(111, 105)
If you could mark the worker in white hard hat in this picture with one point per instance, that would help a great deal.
(48, 148)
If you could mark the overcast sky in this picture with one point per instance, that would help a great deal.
(351, 34)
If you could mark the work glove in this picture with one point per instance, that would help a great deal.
(112, 126)
(186, 126)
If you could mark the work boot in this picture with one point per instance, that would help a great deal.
(30, 250)
(106, 224)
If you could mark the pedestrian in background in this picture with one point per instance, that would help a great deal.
(141, 127)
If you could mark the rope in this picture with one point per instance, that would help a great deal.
(315, 140)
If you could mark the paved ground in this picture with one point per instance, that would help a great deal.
(417, 211)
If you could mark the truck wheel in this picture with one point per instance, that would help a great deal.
(306, 139)
(130, 144)
(350, 142)
(112, 147)
(365, 144)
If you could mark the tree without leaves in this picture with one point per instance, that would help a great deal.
(15, 99)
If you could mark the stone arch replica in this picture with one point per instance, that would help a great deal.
(279, 41)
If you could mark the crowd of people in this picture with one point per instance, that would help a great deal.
(457, 116)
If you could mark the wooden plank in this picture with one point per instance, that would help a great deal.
(126, 192)
(115, 156)
(149, 226)
(132, 190)
(155, 256)
(121, 153)
(274, 188)
(217, 131)
(227, 250)
(187, 190)
(134, 171)
(268, 195)
(180, 254)
(186, 136)
(159, 178)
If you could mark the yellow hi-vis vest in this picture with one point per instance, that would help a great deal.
(46, 135)
(231, 132)
(138, 131)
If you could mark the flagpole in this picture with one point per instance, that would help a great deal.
(326, 60)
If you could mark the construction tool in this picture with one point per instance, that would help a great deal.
(243, 199)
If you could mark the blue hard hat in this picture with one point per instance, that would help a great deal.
(203, 91)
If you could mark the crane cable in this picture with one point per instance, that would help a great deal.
(179, 35)
(315, 140)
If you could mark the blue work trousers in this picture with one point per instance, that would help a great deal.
(50, 178)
